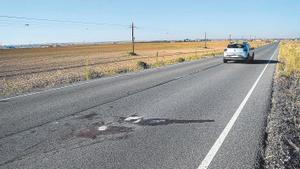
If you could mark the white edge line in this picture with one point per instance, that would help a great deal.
(214, 149)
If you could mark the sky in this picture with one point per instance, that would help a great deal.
(109, 20)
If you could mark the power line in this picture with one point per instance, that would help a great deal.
(29, 21)
(61, 21)
(85, 23)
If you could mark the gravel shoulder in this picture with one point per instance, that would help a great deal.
(283, 126)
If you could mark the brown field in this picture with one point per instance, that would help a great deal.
(22, 70)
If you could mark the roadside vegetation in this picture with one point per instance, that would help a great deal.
(283, 126)
(25, 70)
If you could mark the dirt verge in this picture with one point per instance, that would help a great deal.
(283, 126)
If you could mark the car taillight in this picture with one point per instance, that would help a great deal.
(225, 50)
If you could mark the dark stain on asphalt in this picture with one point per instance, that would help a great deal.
(163, 121)
(89, 116)
(4, 101)
(159, 121)
(122, 137)
(124, 125)
(213, 66)
(93, 132)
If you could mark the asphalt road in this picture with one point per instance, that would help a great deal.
(178, 112)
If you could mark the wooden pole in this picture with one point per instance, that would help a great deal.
(132, 38)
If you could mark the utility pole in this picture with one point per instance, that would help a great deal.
(229, 37)
(132, 38)
(205, 40)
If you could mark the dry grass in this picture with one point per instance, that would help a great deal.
(283, 128)
(290, 58)
(23, 70)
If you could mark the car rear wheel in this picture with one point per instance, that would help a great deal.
(250, 59)
(225, 61)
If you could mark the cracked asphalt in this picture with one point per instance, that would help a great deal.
(176, 113)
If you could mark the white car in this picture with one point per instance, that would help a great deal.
(239, 52)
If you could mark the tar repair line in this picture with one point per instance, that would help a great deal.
(214, 149)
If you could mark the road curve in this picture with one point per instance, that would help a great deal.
(168, 117)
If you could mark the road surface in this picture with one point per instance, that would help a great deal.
(168, 117)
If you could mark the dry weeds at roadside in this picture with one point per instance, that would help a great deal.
(112, 59)
(290, 58)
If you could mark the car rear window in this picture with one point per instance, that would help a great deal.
(235, 46)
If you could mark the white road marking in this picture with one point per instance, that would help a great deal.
(214, 149)
(102, 128)
(134, 119)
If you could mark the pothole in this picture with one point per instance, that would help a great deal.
(126, 125)
(93, 132)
